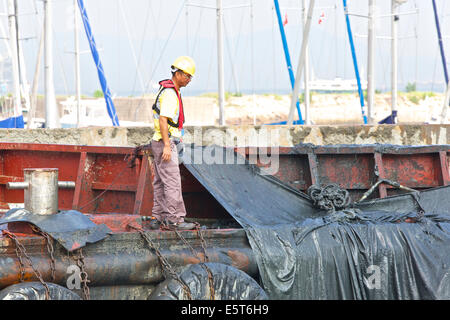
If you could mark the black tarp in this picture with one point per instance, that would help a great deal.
(365, 252)
(72, 229)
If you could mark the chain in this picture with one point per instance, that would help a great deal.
(210, 276)
(202, 241)
(21, 252)
(202, 264)
(165, 265)
(50, 249)
(83, 274)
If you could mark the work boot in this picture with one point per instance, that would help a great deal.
(184, 226)
(155, 224)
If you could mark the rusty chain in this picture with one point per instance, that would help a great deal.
(210, 276)
(165, 265)
(50, 249)
(79, 258)
(205, 259)
(202, 241)
(22, 253)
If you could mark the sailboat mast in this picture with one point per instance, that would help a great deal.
(394, 48)
(301, 64)
(220, 62)
(14, 57)
(51, 111)
(306, 80)
(77, 63)
(371, 62)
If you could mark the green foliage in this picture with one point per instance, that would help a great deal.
(228, 95)
(98, 94)
(301, 97)
(210, 95)
(416, 96)
(277, 97)
(410, 87)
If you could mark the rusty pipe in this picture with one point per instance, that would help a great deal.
(123, 268)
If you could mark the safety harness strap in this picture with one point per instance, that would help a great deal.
(164, 84)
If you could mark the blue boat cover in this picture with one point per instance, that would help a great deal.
(13, 122)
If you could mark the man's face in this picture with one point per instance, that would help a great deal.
(183, 78)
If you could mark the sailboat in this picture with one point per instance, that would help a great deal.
(13, 117)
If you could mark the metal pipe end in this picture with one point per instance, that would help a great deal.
(17, 185)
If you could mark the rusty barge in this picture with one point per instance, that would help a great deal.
(112, 187)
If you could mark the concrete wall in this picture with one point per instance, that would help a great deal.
(241, 135)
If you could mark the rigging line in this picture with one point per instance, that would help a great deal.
(58, 54)
(437, 52)
(249, 43)
(118, 45)
(382, 59)
(330, 56)
(252, 63)
(252, 51)
(127, 30)
(402, 46)
(156, 24)
(299, 32)
(232, 57)
(187, 29)
(198, 30)
(273, 51)
(416, 41)
(233, 71)
(162, 51)
(167, 41)
(142, 44)
(210, 61)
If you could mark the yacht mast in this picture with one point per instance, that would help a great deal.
(51, 111)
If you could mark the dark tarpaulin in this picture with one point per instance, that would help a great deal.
(365, 252)
(71, 228)
(251, 198)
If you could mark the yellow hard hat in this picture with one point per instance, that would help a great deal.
(185, 64)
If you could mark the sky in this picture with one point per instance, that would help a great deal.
(139, 39)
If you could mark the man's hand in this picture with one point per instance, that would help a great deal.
(167, 153)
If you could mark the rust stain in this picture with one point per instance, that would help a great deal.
(239, 259)
(191, 260)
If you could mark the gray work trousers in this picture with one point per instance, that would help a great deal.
(168, 203)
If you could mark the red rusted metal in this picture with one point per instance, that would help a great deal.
(107, 183)
(354, 167)
(116, 192)
(381, 174)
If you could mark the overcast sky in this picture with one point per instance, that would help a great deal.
(139, 39)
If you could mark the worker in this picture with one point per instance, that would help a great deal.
(168, 117)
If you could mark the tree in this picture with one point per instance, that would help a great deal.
(410, 87)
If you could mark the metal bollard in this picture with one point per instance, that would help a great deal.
(41, 190)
